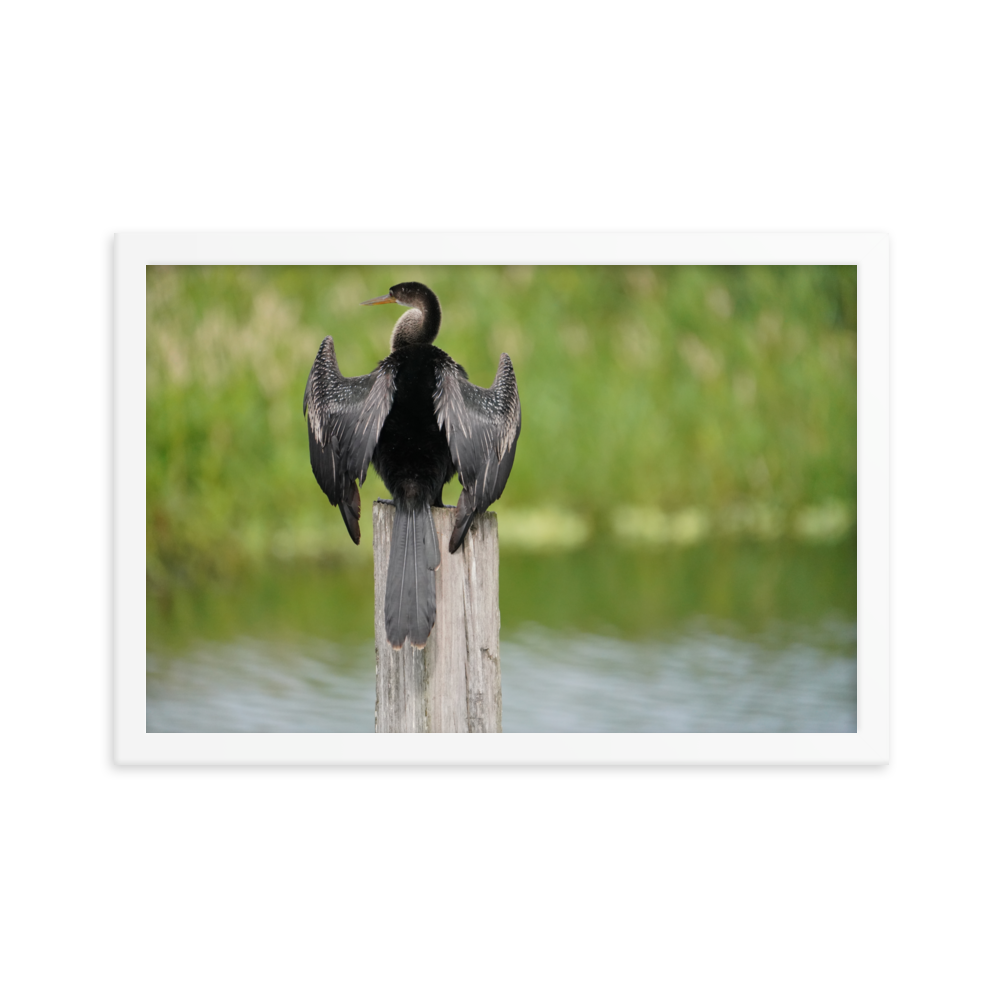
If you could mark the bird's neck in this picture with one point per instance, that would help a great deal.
(419, 324)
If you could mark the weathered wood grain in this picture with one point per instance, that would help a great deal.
(453, 684)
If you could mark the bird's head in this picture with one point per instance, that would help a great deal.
(407, 293)
(421, 321)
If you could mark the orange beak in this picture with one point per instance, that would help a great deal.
(382, 300)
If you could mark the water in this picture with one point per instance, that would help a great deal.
(259, 686)
(738, 639)
(698, 681)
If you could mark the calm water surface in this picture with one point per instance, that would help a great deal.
(713, 639)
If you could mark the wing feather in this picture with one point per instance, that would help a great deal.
(482, 427)
(344, 417)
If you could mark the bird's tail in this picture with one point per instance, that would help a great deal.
(410, 605)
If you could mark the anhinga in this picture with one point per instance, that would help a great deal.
(418, 419)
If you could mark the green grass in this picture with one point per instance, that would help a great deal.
(660, 405)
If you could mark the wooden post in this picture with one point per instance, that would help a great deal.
(452, 685)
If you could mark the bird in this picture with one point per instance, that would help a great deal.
(418, 419)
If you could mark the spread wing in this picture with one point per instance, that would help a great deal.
(345, 417)
(482, 426)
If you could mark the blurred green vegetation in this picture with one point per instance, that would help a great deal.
(661, 405)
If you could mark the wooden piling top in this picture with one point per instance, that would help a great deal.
(453, 684)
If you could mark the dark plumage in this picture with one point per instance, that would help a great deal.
(418, 419)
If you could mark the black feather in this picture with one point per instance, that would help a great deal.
(482, 426)
(419, 419)
(344, 417)
(410, 602)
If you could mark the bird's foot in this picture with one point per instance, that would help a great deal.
(391, 503)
